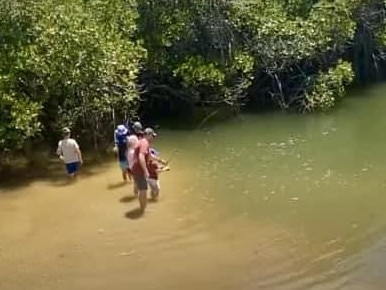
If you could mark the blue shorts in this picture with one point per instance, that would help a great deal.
(124, 165)
(72, 167)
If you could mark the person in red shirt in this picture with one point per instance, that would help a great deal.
(154, 168)
(140, 170)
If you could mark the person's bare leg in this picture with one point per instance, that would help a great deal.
(128, 172)
(72, 177)
(135, 189)
(154, 194)
(142, 197)
(124, 173)
(154, 191)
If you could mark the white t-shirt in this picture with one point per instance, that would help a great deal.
(133, 142)
(68, 149)
(131, 157)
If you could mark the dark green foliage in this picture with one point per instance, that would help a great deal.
(65, 63)
(80, 62)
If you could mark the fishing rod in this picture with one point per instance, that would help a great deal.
(204, 120)
(130, 120)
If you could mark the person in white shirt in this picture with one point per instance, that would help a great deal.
(132, 143)
(69, 151)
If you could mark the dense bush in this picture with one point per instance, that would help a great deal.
(81, 62)
(65, 63)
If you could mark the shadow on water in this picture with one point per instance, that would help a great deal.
(52, 170)
(134, 214)
(127, 199)
(116, 185)
(152, 200)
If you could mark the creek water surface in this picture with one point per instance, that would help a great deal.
(269, 201)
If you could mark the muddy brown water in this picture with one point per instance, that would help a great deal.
(273, 201)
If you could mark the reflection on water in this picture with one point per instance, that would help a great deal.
(273, 202)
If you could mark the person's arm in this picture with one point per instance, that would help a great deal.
(127, 144)
(163, 169)
(158, 159)
(79, 155)
(59, 150)
(142, 160)
(115, 142)
(78, 152)
(115, 138)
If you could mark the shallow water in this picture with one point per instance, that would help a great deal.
(271, 201)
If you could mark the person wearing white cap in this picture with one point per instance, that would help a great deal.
(69, 151)
(120, 140)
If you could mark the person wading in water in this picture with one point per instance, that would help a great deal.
(154, 168)
(69, 151)
(140, 167)
(121, 144)
(137, 131)
(132, 143)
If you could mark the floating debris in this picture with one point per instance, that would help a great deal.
(332, 242)
(294, 198)
(125, 254)
(327, 174)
